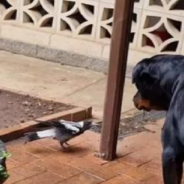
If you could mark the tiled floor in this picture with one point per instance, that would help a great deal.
(45, 162)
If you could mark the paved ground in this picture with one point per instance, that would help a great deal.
(45, 162)
(53, 81)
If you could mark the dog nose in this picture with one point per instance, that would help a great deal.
(135, 101)
(137, 104)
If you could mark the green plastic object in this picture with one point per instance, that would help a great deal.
(3, 157)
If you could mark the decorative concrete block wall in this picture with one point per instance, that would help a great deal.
(84, 27)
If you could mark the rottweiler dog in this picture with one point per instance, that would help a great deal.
(160, 84)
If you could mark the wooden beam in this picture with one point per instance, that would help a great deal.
(116, 77)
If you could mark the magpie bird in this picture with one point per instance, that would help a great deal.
(61, 130)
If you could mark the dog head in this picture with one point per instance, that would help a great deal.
(150, 95)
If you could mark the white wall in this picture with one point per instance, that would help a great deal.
(85, 26)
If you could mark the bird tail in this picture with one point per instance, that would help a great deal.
(33, 136)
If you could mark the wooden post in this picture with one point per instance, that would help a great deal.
(116, 77)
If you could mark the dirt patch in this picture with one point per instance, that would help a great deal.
(16, 108)
(134, 121)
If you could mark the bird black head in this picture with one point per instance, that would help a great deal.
(87, 125)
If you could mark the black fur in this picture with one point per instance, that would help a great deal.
(160, 80)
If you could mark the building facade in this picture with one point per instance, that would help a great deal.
(81, 29)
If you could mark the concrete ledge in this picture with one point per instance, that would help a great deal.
(15, 132)
(18, 47)
(54, 55)
(59, 56)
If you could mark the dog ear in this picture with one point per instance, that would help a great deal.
(149, 77)
(136, 72)
(138, 69)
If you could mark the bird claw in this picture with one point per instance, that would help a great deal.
(62, 145)
(66, 143)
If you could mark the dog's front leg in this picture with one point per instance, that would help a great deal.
(172, 167)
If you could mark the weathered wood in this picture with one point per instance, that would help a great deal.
(116, 77)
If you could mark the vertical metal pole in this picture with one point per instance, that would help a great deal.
(116, 77)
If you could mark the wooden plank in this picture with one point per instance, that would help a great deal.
(116, 77)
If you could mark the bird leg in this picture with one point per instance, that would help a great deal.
(64, 143)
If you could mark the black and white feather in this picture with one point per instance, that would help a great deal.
(61, 130)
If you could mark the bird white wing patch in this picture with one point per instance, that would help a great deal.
(71, 127)
(47, 133)
(81, 123)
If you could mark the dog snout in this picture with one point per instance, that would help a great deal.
(136, 100)
(140, 103)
